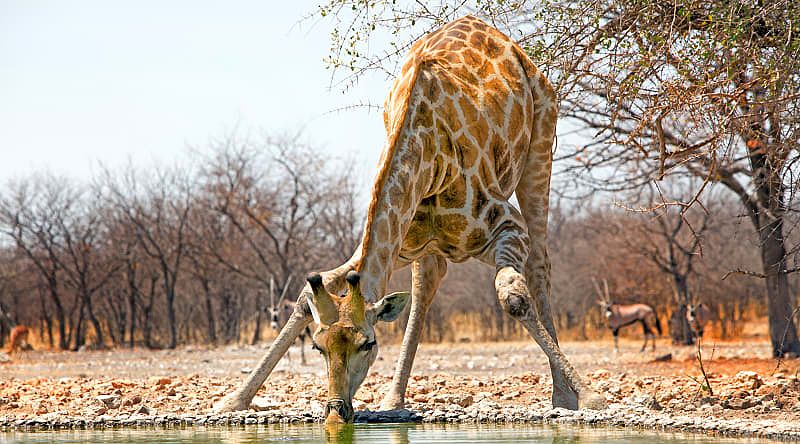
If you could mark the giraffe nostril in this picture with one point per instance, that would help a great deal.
(338, 410)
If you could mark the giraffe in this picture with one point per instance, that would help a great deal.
(470, 121)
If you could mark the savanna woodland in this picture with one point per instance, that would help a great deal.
(676, 172)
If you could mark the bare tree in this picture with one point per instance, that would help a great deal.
(86, 260)
(159, 213)
(28, 215)
(671, 240)
(288, 211)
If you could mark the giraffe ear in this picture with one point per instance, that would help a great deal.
(390, 306)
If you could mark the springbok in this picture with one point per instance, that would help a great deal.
(18, 335)
(698, 316)
(279, 313)
(622, 315)
(18, 339)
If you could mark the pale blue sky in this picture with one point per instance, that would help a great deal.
(86, 81)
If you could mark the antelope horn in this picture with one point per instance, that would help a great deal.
(597, 289)
(285, 290)
(272, 293)
(322, 303)
(357, 304)
(605, 286)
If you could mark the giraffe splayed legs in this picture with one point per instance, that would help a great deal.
(470, 122)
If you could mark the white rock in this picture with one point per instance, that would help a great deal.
(260, 404)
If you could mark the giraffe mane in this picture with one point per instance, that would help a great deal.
(383, 173)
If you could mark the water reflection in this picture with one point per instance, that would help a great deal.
(345, 433)
(558, 438)
(370, 433)
(342, 433)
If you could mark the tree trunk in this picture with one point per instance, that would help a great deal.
(63, 338)
(257, 330)
(98, 330)
(148, 315)
(47, 318)
(173, 332)
(49, 322)
(79, 329)
(147, 331)
(782, 331)
(112, 335)
(133, 292)
(684, 334)
(132, 329)
(211, 325)
(122, 327)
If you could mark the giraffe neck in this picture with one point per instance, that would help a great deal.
(395, 198)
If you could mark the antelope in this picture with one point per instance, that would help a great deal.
(18, 339)
(622, 315)
(698, 316)
(18, 335)
(280, 312)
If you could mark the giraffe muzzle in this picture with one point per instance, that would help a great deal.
(338, 411)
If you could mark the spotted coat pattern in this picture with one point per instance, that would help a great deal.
(468, 117)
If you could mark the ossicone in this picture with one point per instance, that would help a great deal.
(353, 278)
(315, 280)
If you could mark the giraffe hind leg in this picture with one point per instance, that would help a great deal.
(507, 253)
(533, 194)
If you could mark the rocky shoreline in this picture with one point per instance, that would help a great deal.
(742, 397)
(628, 415)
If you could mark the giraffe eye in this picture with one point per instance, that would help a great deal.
(368, 345)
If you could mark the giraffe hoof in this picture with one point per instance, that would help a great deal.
(392, 403)
(565, 398)
(231, 403)
(592, 401)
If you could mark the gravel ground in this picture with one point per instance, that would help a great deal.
(496, 382)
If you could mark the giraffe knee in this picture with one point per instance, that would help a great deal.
(513, 293)
(515, 305)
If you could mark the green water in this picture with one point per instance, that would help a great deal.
(369, 433)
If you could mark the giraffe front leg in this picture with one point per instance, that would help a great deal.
(426, 274)
(509, 253)
(241, 398)
(298, 322)
(303, 347)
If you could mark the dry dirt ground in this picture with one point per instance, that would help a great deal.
(745, 382)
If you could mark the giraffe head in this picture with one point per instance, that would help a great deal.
(345, 336)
